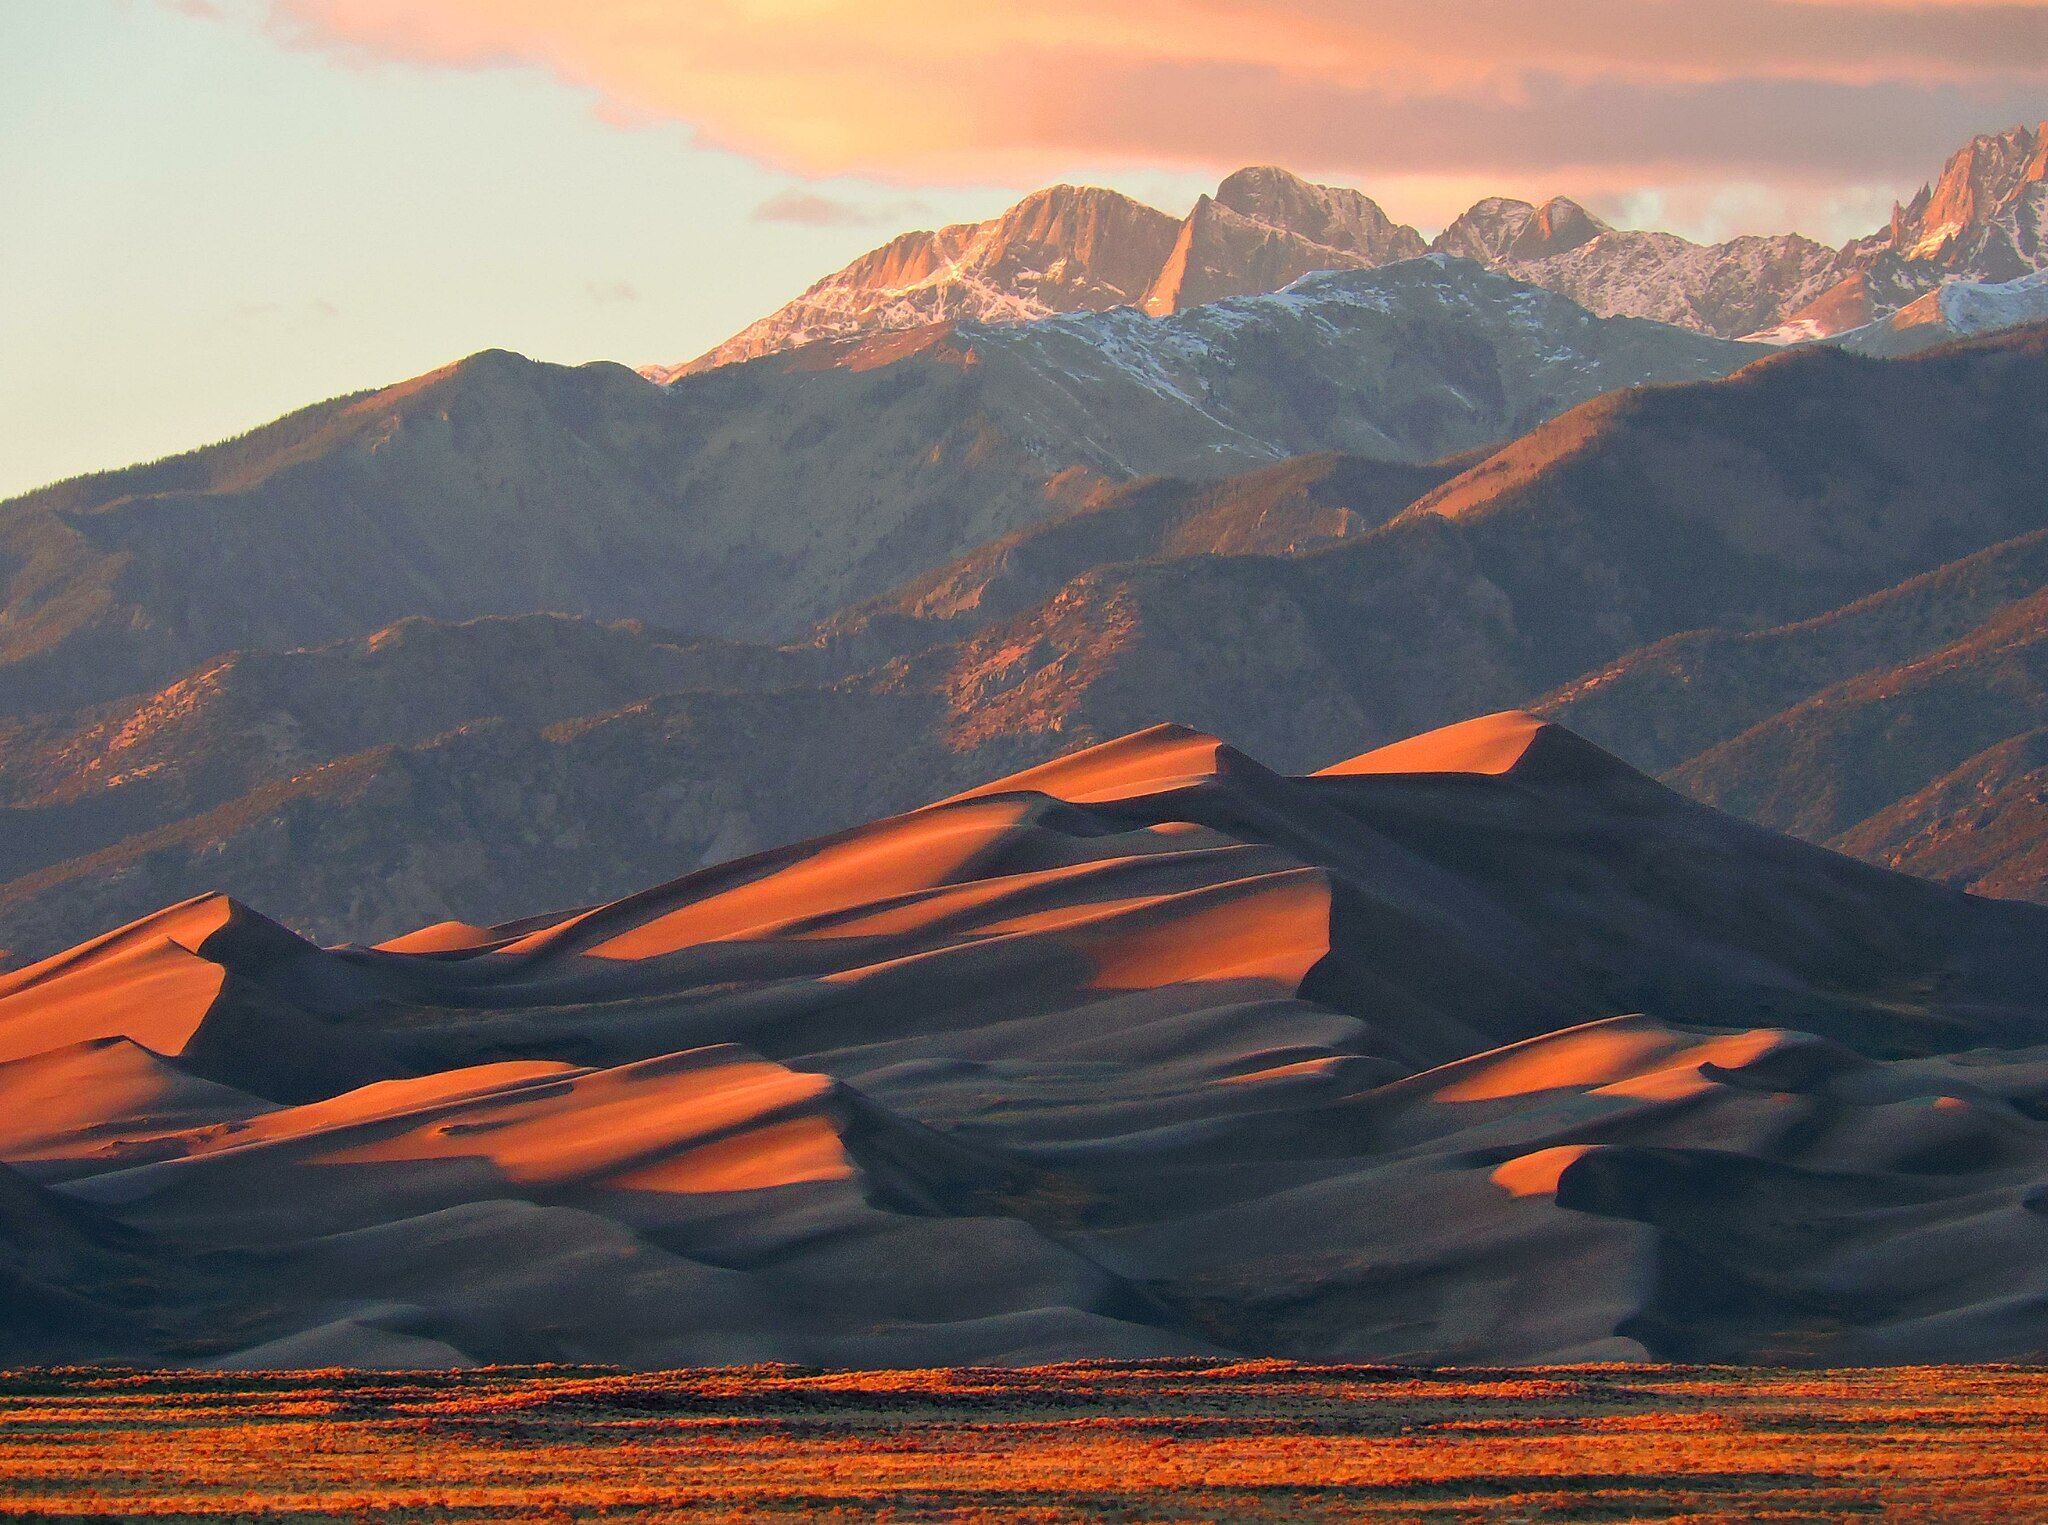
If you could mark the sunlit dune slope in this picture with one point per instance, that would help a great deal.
(1479, 1047)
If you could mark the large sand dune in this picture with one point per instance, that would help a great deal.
(1481, 1047)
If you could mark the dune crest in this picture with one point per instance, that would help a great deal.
(1151, 761)
(441, 937)
(1493, 745)
(1537, 1174)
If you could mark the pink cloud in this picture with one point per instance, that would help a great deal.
(811, 210)
(922, 90)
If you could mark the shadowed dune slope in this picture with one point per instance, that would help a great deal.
(1480, 1047)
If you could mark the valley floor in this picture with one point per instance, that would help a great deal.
(1181, 1440)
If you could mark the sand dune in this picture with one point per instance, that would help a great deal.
(1493, 744)
(108, 1098)
(441, 937)
(146, 981)
(1479, 1047)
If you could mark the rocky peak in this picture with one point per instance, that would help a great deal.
(1265, 229)
(1500, 230)
(1334, 216)
(1485, 231)
(1075, 247)
(1221, 253)
(1984, 220)
(1554, 227)
(1728, 289)
(1979, 182)
(1067, 248)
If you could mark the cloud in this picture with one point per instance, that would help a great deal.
(611, 293)
(296, 310)
(811, 210)
(1613, 92)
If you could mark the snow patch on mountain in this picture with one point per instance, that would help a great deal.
(1976, 307)
(1955, 310)
(1435, 348)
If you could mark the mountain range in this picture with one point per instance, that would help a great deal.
(1481, 1047)
(1069, 248)
(754, 500)
(1714, 576)
(987, 1006)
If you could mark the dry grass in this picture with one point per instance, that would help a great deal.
(1150, 1441)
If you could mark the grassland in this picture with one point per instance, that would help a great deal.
(1151, 1441)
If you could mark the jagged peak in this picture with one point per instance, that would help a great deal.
(1559, 208)
(1978, 181)
(1254, 176)
(1493, 206)
(1484, 230)
(1558, 225)
(1338, 217)
(1065, 195)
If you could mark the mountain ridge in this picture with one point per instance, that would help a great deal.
(442, 496)
(1629, 568)
(1984, 218)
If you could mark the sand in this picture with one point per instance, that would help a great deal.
(1479, 1048)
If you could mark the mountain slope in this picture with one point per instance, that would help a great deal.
(756, 499)
(1689, 693)
(74, 783)
(1294, 506)
(1930, 764)
(1411, 362)
(1480, 1048)
(1984, 825)
(1791, 489)
(1955, 309)
(473, 820)
(1663, 570)
(1733, 289)
(1854, 748)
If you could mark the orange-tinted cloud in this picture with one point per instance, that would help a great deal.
(810, 210)
(941, 89)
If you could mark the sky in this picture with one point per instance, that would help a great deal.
(212, 211)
